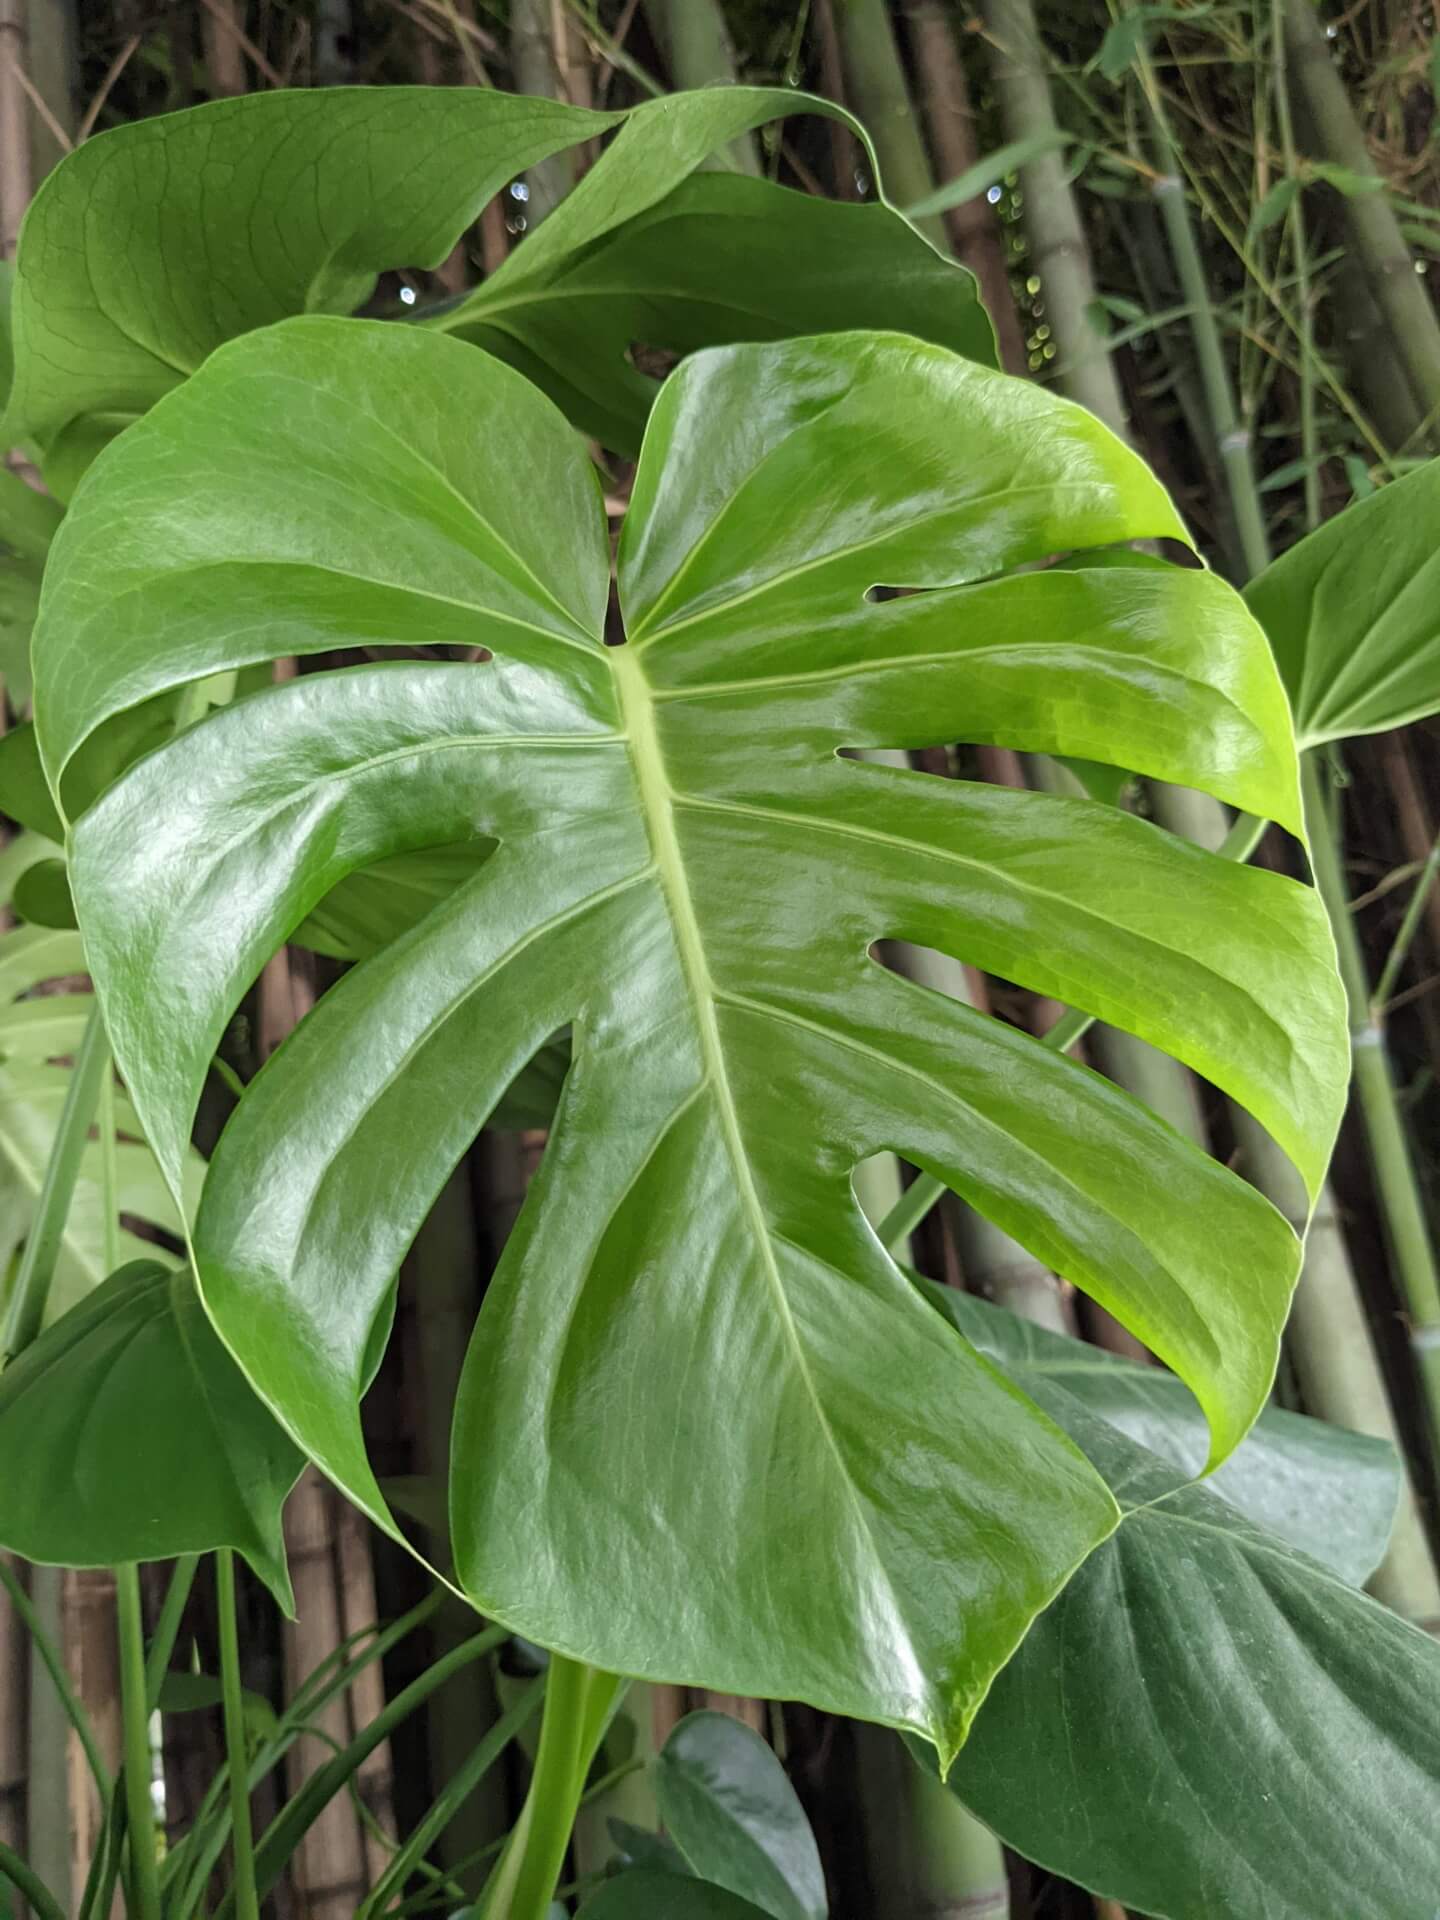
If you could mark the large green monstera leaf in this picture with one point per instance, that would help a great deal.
(706, 1427)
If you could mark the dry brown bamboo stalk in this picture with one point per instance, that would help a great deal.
(14, 1692)
(92, 1659)
(14, 126)
(221, 28)
(330, 1868)
(358, 1609)
(47, 1823)
(950, 120)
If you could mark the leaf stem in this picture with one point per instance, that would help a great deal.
(39, 1896)
(162, 1641)
(55, 1667)
(140, 1817)
(247, 1900)
(579, 1704)
(57, 1189)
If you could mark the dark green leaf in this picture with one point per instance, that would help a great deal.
(1353, 614)
(128, 1433)
(201, 1692)
(42, 895)
(154, 243)
(663, 1896)
(728, 1806)
(24, 793)
(723, 258)
(689, 875)
(1206, 1722)
(1274, 205)
(638, 1847)
(1329, 1492)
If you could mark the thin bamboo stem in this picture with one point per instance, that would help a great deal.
(1232, 437)
(242, 1837)
(1300, 250)
(1396, 1186)
(1412, 328)
(139, 1807)
(1405, 934)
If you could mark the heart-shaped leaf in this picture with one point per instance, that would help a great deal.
(1322, 1489)
(728, 1806)
(722, 1385)
(1353, 614)
(1207, 1722)
(155, 242)
(127, 1432)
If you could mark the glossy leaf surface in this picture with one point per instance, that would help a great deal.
(1353, 614)
(721, 1383)
(127, 1432)
(1207, 1722)
(157, 241)
(727, 1804)
(1327, 1491)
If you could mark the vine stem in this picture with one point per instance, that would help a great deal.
(580, 1702)
(247, 1898)
(135, 1711)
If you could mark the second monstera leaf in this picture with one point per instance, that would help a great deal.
(706, 1429)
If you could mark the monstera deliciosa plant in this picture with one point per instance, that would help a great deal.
(708, 1430)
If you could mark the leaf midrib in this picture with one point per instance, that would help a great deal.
(657, 803)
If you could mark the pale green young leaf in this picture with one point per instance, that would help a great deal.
(1353, 614)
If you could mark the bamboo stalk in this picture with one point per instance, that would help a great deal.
(14, 1709)
(1058, 249)
(47, 1838)
(875, 80)
(1378, 246)
(52, 66)
(1232, 437)
(330, 1869)
(1397, 1188)
(222, 36)
(92, 1658)
(973, 229)
(14, 126)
